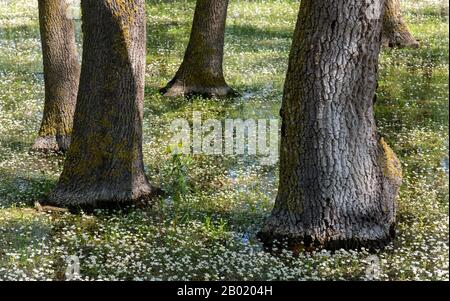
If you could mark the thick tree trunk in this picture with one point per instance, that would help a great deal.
(61, 75)
(104, 165)
(201, 72)
(338, 178)
(395, 30)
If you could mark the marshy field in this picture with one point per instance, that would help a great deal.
(205, 225)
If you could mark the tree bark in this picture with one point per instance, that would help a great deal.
(61, 76)
(104, 165)
(201, 72)
(395, 31)
(338, 179)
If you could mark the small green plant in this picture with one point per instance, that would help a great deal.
(179, 168)
(179, 179)
(217, 229)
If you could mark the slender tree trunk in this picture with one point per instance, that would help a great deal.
(61, 75)
(395, 30)
(104, 164)
(338, 178)
(201, 71)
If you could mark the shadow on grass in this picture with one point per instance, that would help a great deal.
(22, 230)
(14, 145)
(18, 188)
(249, 33)
(159, 105)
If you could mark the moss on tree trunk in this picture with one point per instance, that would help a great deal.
(61, 76)
(104, 164)
(338, 178)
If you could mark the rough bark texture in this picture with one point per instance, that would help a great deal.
(201, 71)
(61, 76)
(395, 30)
(104, 163)
(338, 178)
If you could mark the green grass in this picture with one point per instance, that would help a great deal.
(206, 229)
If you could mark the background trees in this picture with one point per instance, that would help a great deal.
(201, 71)
(61, 75)
(338, 177)
(104, 164)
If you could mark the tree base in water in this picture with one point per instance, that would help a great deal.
(298, 240)
(180, 90)
(400, 42)
(51, 144)
(103, 199)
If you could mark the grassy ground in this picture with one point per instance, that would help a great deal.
(209, 233)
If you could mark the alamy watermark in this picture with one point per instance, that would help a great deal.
(73, 268)
(227, 137)
(373, 269)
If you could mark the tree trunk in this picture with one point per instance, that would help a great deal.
(61, 76)
(201, 71)
(104, 165)
(395, 30)
(338, 178)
